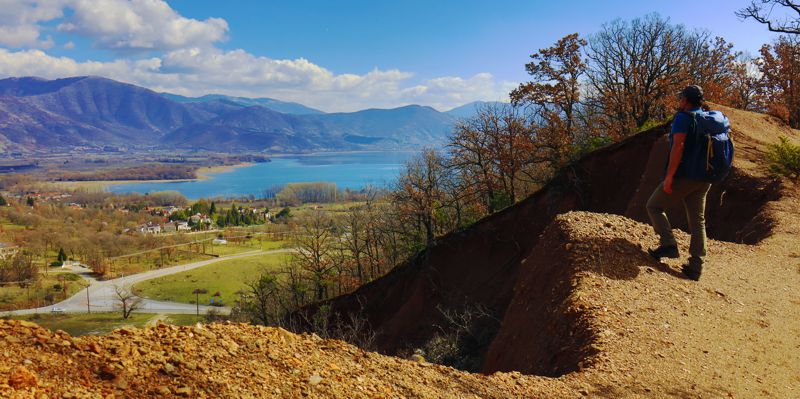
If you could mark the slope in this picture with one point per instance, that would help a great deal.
(576, 294)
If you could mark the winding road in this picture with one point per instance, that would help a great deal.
(102, 294)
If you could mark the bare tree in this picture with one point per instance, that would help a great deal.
(126, 300)
(785, 20)
(314, 249)
(555, 84)
(633, 67)
(420, 192)
(745, 86)
(262, 294)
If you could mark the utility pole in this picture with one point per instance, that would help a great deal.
(88, 307)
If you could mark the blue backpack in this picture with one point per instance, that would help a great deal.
(708, 154)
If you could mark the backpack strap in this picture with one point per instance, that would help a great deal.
(693, 127)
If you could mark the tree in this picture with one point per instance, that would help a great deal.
(212, 210)
(126, 300)
(780, 68)
(30, 201)
(62, 256)
(763, 11)
(635, 68)
(711, 63)
(314, 246)
(745, 86)
(555, 82)
(420, 193)
(261, 298)
(3, 201)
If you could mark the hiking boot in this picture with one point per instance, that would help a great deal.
(664, 251)
(693, 268)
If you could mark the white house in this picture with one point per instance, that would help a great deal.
(149, 228)
(8, 251)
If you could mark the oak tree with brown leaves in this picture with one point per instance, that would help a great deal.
(780, 68)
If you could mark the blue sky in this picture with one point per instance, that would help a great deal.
(334, 55)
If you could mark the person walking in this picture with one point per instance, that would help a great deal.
(693, 165)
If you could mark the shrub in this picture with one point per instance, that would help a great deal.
(783, 158)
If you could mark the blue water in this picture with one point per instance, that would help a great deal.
(347, 170)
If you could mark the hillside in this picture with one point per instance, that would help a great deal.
(45, 115)
(258, 128)
(581, 309)
(38, 113)
(285, 107)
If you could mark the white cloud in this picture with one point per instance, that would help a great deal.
(196, 72)
(186, 61)
(140, 25)
(20, 22)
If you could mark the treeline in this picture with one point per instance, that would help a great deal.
(334, 253)
(239, 216)
(143, 172)
(295, 194)
(19, 269)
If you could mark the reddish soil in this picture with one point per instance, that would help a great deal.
(480, 265)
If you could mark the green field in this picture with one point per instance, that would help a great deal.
(153, 260)
(226, 277)
(48, 289)
(103, 323)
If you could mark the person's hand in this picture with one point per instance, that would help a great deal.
(668, 185)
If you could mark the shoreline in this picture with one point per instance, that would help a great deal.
(203, 173)
(207, 172)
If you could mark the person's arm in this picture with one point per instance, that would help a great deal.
(675, 155)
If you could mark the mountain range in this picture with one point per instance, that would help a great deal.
(52, 115)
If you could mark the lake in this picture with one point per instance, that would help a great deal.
(347, 170)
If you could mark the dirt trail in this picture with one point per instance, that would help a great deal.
(585, 312)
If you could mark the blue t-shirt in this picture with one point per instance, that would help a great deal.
(680, 124)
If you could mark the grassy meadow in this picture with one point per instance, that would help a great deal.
(226, 277)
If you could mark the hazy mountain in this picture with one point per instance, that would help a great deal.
(470, 109)
(39, 114)
(275, 105)
(258, 128)
(251, 128)
(412, 125)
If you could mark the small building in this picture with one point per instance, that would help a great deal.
(183, 226)
(219, 241)
(8, 251)
(170, 227)
(149, 228)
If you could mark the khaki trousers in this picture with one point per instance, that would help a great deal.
(693, 195)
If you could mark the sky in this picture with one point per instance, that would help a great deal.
(333, 55)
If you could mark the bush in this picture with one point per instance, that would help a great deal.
(783, 158)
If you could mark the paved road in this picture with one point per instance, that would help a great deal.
(102, 294)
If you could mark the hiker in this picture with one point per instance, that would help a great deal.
(700, 154)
